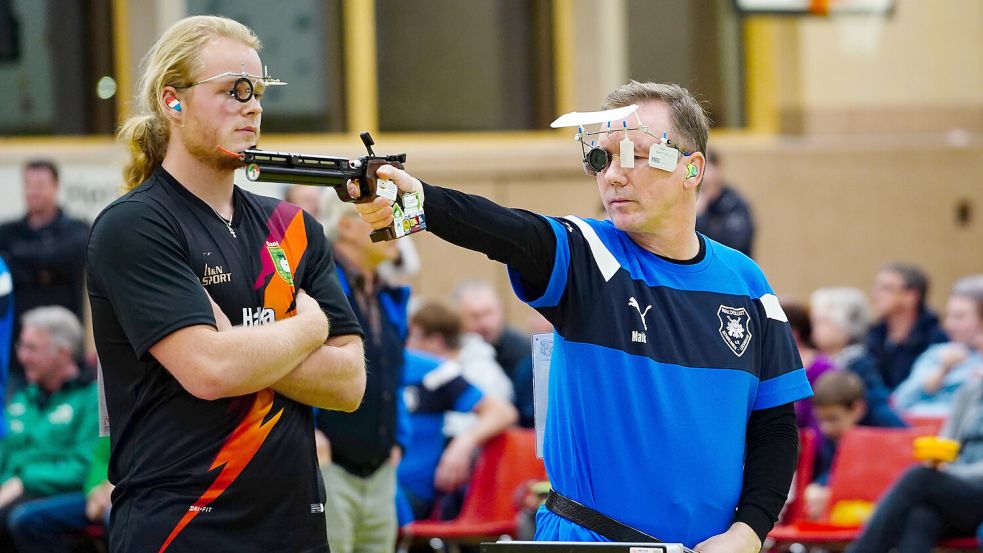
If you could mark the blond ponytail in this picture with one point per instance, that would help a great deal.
(146, 140)
(170, 62)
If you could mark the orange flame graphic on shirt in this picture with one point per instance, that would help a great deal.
(238, 451)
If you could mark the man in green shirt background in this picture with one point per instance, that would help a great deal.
(52, 423)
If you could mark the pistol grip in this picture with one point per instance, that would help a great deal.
(368, 188)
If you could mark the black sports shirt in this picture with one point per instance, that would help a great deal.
(194, 475)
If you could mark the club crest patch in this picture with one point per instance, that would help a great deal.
(280, 262)
(735, 328)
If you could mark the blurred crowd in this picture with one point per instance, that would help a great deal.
(457, 374)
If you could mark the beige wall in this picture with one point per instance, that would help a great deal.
(924, 74)
(928, 54)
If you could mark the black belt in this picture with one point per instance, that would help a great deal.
(595, 521)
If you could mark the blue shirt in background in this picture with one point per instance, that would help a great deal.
(431, 388)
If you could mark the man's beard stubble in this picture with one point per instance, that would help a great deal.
(205, 148)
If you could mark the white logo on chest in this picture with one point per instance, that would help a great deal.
(636, 336)
(257, 316)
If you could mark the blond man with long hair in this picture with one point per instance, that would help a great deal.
(218, 318)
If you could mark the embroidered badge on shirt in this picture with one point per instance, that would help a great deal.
(735, 328)
(280, 262)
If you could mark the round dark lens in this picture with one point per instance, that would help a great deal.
(597, 159)
(243, 90)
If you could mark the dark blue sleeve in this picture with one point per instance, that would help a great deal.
(523, 240)
(782, 378)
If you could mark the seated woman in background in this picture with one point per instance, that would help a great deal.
(814, 362)
(930, 502)
(840, 318)
(939, 372)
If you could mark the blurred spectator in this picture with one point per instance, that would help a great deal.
(45, 251)
(815, 363)
(838, 405)
(839, 320)
(933, 501)
(364, 446)
(482, 313)
(941, 370)
(434, 385)
(6, 336)
(905, 327)
(47, 525)
(475, 358)
(722, 214)
(406, 264)
(536, 323)
(305, 197)
(53, 422)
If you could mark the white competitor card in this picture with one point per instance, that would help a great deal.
(627, 156)
(411, 204)
(542, 352)
(387, 189)
(663, 157)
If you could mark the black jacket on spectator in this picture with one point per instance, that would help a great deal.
(728, 220)
(47, 266)
(47, 263)
(894, 361)
(511, 350)
(361, 441)
(514, 353)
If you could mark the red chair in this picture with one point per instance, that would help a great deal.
(932, 425)
(868, 460)
(489, 510)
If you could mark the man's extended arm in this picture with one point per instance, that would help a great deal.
(521, 239)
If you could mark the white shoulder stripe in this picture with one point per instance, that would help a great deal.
(773, 309)
(605, 260)
(447, 371)
(6, 284)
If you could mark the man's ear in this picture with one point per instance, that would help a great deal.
(172, 105)
(695, 166)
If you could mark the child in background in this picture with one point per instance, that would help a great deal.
(838, 405)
